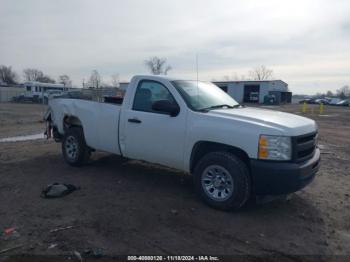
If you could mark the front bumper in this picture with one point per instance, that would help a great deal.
(273, 178)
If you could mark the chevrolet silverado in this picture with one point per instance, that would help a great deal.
(233, 152)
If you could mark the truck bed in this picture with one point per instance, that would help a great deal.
(100, 121)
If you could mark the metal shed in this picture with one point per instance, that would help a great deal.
(256, 91)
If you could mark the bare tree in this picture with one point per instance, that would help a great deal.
(261, 73)
(7, 75)
(46, 79)
(65, 80)
(32, 74)
(234, 77)
(343, 92)
(329, 93)
(157, 66)
(115, 80)
(95, 79)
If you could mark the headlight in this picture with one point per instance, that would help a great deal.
(275, 148)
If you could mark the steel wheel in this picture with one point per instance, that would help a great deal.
(217, 183)
(71, 147)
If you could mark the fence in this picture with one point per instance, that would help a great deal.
(8, 93)
(100, 94)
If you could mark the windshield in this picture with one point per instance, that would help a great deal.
(203, 96)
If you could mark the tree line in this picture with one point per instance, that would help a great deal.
(155, 65)
(343, 93)
(10, 77)
(258, 73)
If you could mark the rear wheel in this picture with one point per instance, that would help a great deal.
(74, 149)
(222, 180)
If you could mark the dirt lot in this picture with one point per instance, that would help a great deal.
(135, 208)
(21, 119)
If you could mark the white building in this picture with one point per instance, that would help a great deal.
(38, 88)
(256, 91)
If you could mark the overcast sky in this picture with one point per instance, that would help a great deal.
(306, 43)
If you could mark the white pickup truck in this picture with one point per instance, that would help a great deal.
(233, 152)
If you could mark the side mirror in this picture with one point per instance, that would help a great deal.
(167, 107)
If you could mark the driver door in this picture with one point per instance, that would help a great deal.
(153, 136)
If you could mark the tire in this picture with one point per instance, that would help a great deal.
(74, 149)
(223, 181)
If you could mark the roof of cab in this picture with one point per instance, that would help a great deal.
(164, 77)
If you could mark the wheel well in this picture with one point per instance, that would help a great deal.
(202, 148)
(70, 121)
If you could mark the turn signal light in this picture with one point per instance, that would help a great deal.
(263, 152)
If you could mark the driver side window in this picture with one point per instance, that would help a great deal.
(147, 93)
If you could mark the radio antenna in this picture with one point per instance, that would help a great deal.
(197, 77)
(197, 68)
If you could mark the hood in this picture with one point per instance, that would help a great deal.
(287, 124)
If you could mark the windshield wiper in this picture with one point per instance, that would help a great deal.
(219, 106)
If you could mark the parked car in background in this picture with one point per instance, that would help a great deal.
(24, 97)
(254, 97)
(334, 101)
(308, 101)
(322, 101)
(343, 103)
(50, 94)
(38, 97)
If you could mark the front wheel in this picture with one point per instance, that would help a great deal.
(222, 180)
(74, 149)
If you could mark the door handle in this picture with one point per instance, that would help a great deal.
(134, 120)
